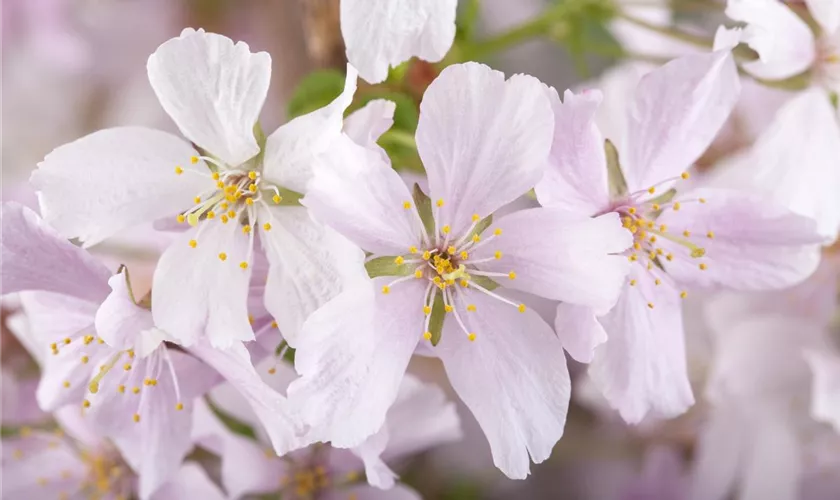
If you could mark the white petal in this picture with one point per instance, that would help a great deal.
(484, 141)
(825, 12)
(773, 463)
(676, 112)
(784, 42)
(579, 331)
(825, 396)
(561, 255)
(356, 192)
(310, 264)
(213, 90)
(792, 162)
(720, 453)
(750, 243)
(117, 178)
(383, 33)
(366, 125)
(352, 355)
(641, 368)
(576, 179)
(36, 257)
(513, 378)
(119, 321)
(190, 482)
(196, 293)
(291, 151)
(377, 472)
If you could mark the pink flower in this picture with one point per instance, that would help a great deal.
(484, 142)
(232, 193)
(705, 238)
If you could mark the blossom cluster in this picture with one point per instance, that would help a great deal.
(303, 270)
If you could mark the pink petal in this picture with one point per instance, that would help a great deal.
(196, 294)
(676, 112)
(749, 243)
(576, 179)
(190, 482)
(352, 355)
(826, 13)
(825, 396)
(366, 125)
(119, 321)
(513, 378)
(36, 257)
(484, 141)
(26, 461)
(560, 255)
(579, 330)
(641, 368)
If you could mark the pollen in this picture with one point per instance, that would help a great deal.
(121, 389)
(231, 214)
(663, 228)
(386, 289)
(631, 210)
(684, 175)
(274, 324)
(272, 370)
(243, 265)
(412, 249)
(657, 282)
(136, 417)
(399, 260)
(702, 200)
(181, 219)
(632, 257)
(135, 390)
(88, 339)
(418, 273)
(127, 366)
(266, 226)
(650, 305)
(220, 184)
(702, 266)
(522, 308)
(215, 176)
(93, 387)
(476, 238)
(637, 246)
(179, 406)
(450, 250)
(471, 336)
(427, 255)
(252, 188)
(655, 206)
(476, 218)
(439, 203)
(710, 234)
(497, 255)
(471, 308)
(497, 232)
(512, 275)
(222, 256)
(447, 308)
(407, 205)
(427, 335)
(686, 233)
(246, 228)
(676, 206)
(464, 255)
(683, 294)
(696, 253)
(651, 190)
(85, 360)
(66, 384)
(465, 283)
(252, 175)
(632, 282)
(427, 310)
(224, 219)
(249, 201)
(277, 199)
(193, 159)
(211, 214)
(193, 243)
(85, 404)
(446, 229)
(179, 170)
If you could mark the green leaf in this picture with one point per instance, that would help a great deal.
(618, 185)
(235, 425)
(481, 226)
(385, 266)
(316, 90)
(424, 208)
(467, 20)
(436, 321)
(406, 114)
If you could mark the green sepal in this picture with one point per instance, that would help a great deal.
(436, 321)
(385, 266)
(484, 282)
(424, 208)
(232, 423)
(618, 185)
(481, 226)
(795, 82)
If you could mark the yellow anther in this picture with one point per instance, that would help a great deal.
(53, 346)
(512, 275)
(211, 214)
(659, 251)
(412, 249)
(439, 203)
(93, 386)
(471, 308)
(651, 190)
(252, 175)
(447, 308)
(252, 188)
(266, 226)
(274, 324)
(637, 246)
(399, 260)
(406, 205)
(224, 219)
(663, 228)
(683, 294)
(684, 175)
(497, 232)
(446, 229)
(243, 265)
(427, 335)
(476, 238)
(631, 210)
(427, 310)
(231, 214)
(653, 239)
(88, 339)
(215, 176)
(676, 206)
(696, 253)
(193, 159)
(193, 243)
(471, 336)
(702, 200)
(418, 273)
(652, 255)
(476, 218)
(464, 283)
(85, 404)
(450, 250)
(147, 382)
(179, 406)
(497, 254)
(277, 199)
(632, 257)
(464, 255)
(179, 170)
(657, 282)
(386, 289)
(272, 370)
(136, 417)
(135, 390)
(85, 360)
(127, 366)
(249, 201)
(650, 305)
(181, 219)
(632, 282)
(427, 255)
(522, 308)
(121, 389)
(655, 206)
(246, 228)
(220, 184)
(66, 384)
(223, 256)
(130, 353)
(710, 234)
(223, 206)
(670, 256)
(436, 280)
(702, 266)
(686, 233)
(230, 189)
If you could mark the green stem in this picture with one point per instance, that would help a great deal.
(674, 33)
(400, 138)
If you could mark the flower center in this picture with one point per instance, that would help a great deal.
(310, 479)
(106, 474)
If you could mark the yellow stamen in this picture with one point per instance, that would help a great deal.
(179, 170)
(407, 205)
(222, 256)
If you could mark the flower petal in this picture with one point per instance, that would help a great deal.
(784, 42)
(825, 395)
(197, 293)
(291, 151)
(579, 331)
(720, 453)
(561, 255)
(576, 179)
(358, 194)
(36, 257)
(826, 13)
(37, 467)
(213, 90)
(117, 178)
(484, 141)
(310, 264)
(190, 482)
(352, 355)
(383, 33)
(513, 378)
(676, 112)
(792, 162)
(119, 321)
(641, 368)
(366, 125)
(749, 243)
